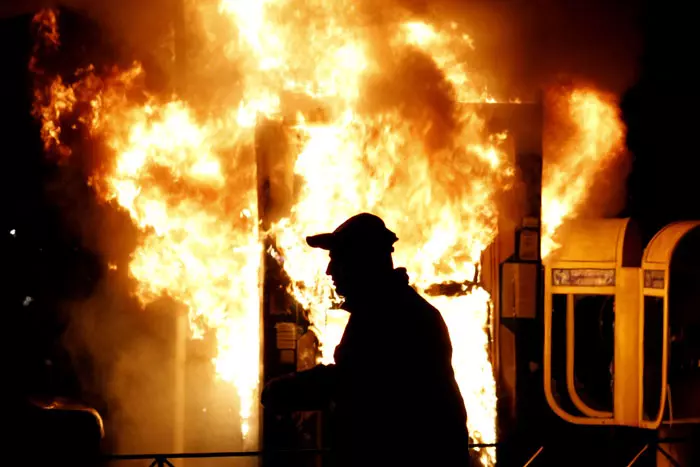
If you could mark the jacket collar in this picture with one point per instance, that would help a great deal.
(396, 281)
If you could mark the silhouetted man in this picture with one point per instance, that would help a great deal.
(392, 390)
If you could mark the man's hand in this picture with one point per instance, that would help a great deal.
(277, 392)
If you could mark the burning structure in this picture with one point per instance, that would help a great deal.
(331, 109)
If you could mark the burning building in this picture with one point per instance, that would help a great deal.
(288, 117)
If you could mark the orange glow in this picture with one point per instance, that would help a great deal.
(365, 134)
(599, 138)
(190, 182)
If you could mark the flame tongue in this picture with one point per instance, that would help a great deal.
(597, 140)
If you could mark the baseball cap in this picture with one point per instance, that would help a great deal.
(364, 230)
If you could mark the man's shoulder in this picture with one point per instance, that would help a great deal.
(414, 303)
(423, 320)
(418, 300)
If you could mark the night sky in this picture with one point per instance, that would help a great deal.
(45, 262)
(661, 111)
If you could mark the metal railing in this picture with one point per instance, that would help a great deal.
(163, 460)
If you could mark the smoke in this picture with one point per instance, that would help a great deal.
(416, 87)
(124, 353)
(521, 45)
(527, 46)
(136, 29)
(121, 352)
(123, 356)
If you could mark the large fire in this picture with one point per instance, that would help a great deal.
(378, 118)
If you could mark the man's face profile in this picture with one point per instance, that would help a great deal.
(343, 272)
(356, 270)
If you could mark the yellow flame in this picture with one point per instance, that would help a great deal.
(598, 138)
(201, 244)
(337, 85)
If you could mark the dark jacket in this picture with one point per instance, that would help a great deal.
(392, 389)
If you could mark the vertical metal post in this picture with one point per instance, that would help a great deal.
(258, 415)
(181, 336)
(263, 185)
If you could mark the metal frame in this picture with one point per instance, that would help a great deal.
(657, 257)
(606, 244)
(594, 245)
(162, 458)
(570, 360)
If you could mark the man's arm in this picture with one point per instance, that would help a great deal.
(305, 390)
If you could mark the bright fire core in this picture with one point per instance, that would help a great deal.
(375, 112)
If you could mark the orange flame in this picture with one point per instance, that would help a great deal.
(46, 22)
(598, 139)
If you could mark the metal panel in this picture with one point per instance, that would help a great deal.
(656, 263)
(519, 293)
(657, 254)
(629, 326)
(608, 241)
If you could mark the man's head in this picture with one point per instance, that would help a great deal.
(360, 252)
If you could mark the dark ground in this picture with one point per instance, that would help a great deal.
(47, 262)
